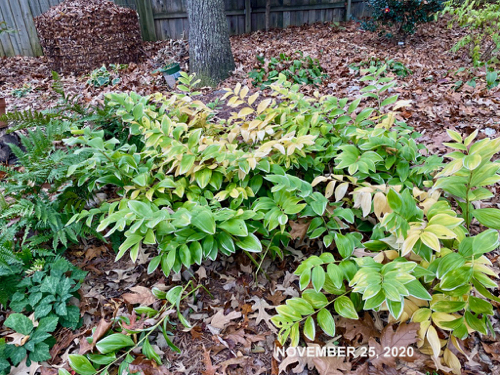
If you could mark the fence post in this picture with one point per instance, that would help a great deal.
(146, 19)
(348, 11)
(248, 16)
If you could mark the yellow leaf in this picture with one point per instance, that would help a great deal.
(329, 189)
(243, 92)
(340, 191)
(318, 180)
(380, 205)
(452, 361)
(410, 241)
(431, 240)
(433, 338)
(245, 112)
(252, 98)
(263, 105)
(400, 104)
(237, 88)
(439, 317)
(365, 203)
(446, 220)
(440, 231)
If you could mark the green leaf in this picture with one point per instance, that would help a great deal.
(48, 324)
(326, 322)
(250, 243)
(141, 209)
(344, 307)
(448, 306)
(236, 227)
(19, 323)
(149, 352)
(310, 328)
(81, 364)
(113, 343)
(489, 217)
(204, 220)
(186, 163)
(40, 353)
(318, 278)
(335, 274)
(344, 245)
(316, 299)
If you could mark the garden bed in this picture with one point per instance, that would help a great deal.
(232, 332)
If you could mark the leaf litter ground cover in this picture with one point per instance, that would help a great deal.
(232, 332)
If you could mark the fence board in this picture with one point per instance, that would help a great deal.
(163, 19)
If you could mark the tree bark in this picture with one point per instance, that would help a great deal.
(210, 55)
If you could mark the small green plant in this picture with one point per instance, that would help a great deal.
(47, 292)
(481, 19)
(301, 70)
(118, 348)
(22, 92)
(4, 29)
(34, 347)
(103, 77)
(398, 18)
(397, 67)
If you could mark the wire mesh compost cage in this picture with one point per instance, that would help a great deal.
(80, 35)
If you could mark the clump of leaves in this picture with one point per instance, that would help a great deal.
(103, 77)
(481, 19)
(398, 18)
(47, 292)
(34, 345)
(22, 91)
(118, 346)
(296, 68)
(397, 67)
(421, 261)
(5, 29)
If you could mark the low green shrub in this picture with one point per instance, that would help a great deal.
(45, 292)
(481, 19)
(394, 66)
(103, 77)
(398, 18)
(300, 69)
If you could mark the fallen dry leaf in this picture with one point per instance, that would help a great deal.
(207, 361)
(102, 327)
(405, 335)
(221, 321)
(332, 365)
(141, 295)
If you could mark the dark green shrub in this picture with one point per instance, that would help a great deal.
(400, 17)
(298, 69)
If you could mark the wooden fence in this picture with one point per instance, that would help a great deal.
(165, 19)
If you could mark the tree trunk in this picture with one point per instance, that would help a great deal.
(210, 55)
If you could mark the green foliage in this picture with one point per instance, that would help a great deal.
(197, 188)
(4, 29)
(103, 77)
(481, 19)
(47, 293)
(394, 66)
(398, 18)
(22, 92)
(301, 70)
(117, 348)
(416, 259)
(34, 349)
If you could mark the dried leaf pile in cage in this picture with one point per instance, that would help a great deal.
(81, 35)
